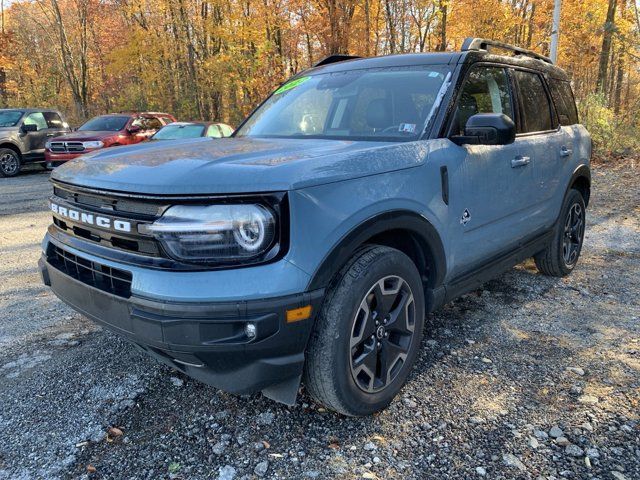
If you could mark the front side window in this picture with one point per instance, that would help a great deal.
(10, 118)
(536, 109)
(176, 131)
(486, 90)
(106, 123)
(36, 119)
(389, 104)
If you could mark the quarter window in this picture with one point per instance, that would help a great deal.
(486, 90)
(536, 109)
(565, 103)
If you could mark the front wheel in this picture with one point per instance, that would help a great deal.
(367, 334)
(561, 255)
(10, 163)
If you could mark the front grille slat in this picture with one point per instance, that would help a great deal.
(110, 280)
(66, 147)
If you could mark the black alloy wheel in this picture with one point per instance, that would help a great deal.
(382, 332)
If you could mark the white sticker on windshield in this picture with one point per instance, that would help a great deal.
(407, 128)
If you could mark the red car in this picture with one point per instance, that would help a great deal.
(105, 131)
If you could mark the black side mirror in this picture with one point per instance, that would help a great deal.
(29, 128)
(487, 129)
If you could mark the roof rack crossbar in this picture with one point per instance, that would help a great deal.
(335, 58)
(476, 44)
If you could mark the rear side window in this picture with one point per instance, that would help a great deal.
(565, 103)
(534, 103)
(53, 120)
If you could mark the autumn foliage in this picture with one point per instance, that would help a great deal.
(216, 59)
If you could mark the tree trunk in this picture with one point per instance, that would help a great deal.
(605, 52)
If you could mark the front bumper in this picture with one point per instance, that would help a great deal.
(205, 340)
(59, 158)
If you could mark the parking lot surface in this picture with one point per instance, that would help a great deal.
(528, 377)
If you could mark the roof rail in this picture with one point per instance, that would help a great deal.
(476, 44)
(335, 59)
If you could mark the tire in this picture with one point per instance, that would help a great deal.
(340, 356)
(10, 163)
(562, 254)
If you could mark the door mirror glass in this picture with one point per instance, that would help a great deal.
(487, 129)
(29, 127)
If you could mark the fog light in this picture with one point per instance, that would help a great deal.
(250, 330)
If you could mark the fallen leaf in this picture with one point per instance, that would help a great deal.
(275, 455)
(91, 469)
(334, 446)
(369, 475)
(266, 444)
(115, 432)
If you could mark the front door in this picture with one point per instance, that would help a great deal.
(491, 186)
(34, 141)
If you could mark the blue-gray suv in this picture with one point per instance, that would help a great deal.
(361, 194)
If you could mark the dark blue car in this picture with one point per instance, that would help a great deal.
(361, 194)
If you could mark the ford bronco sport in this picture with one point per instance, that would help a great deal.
(361, 194)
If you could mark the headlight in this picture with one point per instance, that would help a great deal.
(215, 233)
(47, 145)
(93, 144)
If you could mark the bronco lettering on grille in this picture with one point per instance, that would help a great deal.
(91, 219)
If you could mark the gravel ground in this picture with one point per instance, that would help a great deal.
(530, 377)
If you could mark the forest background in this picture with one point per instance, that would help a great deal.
(217, 59)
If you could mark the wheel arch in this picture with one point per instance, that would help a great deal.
(12, 146)
(404, 230)
(581, 181)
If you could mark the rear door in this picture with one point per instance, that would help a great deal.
(491, 186)
(55, 125)
(542, 141)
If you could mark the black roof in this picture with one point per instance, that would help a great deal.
(440, 58)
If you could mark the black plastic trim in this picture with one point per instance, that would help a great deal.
(392, 220)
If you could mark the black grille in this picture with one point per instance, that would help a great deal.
(102, 277)
(62, 147)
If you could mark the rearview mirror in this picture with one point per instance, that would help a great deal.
(29, 128)
(487, 129)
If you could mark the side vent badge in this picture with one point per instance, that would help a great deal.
(466, 216)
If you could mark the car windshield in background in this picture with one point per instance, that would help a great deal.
(388, 104)
(10, 118)
(108, 123)
(175, 132)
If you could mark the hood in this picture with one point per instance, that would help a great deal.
(87, 135)
(236, 165)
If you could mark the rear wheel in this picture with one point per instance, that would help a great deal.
(562, 254)
(10, 163)
(367, 334)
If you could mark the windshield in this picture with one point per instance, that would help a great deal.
(387, 104)
(10, 118)
(174, 132)
(110, 123)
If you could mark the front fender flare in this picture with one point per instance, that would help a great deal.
(375, 225)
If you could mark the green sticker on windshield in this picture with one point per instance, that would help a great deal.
(292, 84)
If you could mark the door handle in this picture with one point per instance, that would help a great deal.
(565, 152)
(519, 161)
